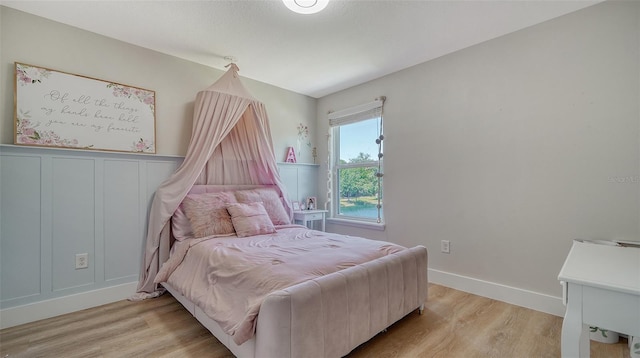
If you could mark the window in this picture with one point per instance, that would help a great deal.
(355, 181)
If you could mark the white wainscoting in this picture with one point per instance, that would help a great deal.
(300, 179)
(57, 203)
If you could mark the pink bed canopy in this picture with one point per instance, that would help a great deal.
(230, 144)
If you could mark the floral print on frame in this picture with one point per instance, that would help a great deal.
(60, 109)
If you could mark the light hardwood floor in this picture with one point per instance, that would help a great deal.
(455, 324)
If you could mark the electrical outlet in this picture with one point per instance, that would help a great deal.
(444, 246)
(82, 261)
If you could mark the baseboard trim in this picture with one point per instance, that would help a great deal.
(513, 295)
(14, 316)
(32, 312)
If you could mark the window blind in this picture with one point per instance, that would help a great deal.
(357, 113)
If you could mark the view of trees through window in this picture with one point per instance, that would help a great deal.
(358, 187)
(356, 191)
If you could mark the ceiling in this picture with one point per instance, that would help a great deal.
(349, 43)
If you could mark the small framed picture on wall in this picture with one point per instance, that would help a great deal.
(311, 203)
(296, 205)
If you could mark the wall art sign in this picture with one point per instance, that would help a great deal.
(59, 109)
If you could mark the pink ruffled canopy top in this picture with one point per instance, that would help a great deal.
(230, 144)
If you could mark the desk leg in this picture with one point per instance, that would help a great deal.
(575, 334)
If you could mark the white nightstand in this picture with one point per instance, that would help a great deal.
(601, 287)
(306, 216)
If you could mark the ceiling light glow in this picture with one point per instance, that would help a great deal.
(306, 6)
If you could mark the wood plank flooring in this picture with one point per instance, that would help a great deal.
(455, 324)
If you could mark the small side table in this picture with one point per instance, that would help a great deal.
(307, 216)
(601, 287)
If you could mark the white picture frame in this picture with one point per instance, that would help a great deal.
(312, 203)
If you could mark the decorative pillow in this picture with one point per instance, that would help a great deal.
(250, 219)
(208, 214)
(271, 201)
(180, 226)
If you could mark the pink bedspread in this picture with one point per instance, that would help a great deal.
(228, 277)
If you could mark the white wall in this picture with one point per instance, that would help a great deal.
(512, 148)
(37, 41)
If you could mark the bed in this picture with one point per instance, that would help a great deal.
(324, 311)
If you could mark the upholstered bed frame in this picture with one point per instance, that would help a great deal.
(333, 314)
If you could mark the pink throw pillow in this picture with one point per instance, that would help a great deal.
(250, 219)
(208, 214)
(180, 226)
(271, 201)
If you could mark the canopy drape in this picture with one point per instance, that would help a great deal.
(230, 144)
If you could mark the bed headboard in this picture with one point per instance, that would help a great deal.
(199, 189)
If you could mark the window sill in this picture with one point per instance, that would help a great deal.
(359, 224)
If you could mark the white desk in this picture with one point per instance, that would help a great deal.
(306, 216)
(601, 286)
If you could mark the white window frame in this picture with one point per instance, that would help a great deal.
(337, 119)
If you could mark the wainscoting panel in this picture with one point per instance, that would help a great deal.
(57, 203)
(122, 230)
(155, 173)
(289, 177)
(73, 215)
(20, 219)
(300, 179)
